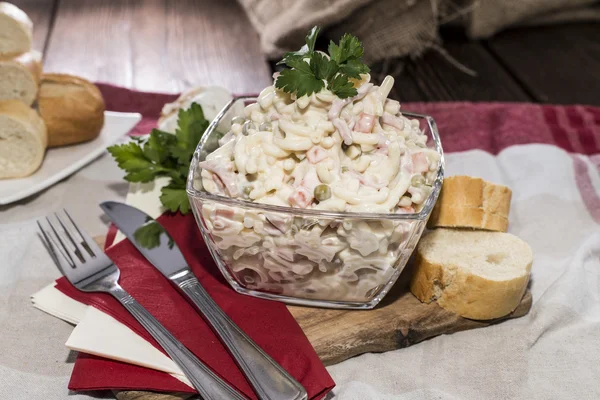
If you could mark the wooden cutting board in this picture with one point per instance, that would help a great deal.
(400, 320)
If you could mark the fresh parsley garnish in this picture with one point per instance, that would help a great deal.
(309, 71)
(164, 154)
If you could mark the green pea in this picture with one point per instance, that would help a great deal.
(247, 190)
(417, 180)
(322, 192)
(345, 169)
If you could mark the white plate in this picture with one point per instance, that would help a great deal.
(63, 161)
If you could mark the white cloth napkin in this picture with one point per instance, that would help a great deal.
(98, 333)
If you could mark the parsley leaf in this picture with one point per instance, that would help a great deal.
(311, 38)
(322, 67)
(299, 82)
(342, 87)
(192, 125)
(309, 71)
(148, 235)
(164, 154)
(175, 197)
(353, 68)
(350, 48)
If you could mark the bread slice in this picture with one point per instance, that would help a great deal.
(72, 107)
(23, 140)
(211, 98)
(15, 30)
(478, 275)
(468, 202)
(20, 77)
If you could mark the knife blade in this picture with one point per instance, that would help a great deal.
(268, 379)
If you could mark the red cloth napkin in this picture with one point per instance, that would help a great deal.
(268, 323)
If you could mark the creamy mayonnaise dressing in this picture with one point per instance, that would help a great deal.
(358, 154)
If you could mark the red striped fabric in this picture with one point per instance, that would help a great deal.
(463, 125)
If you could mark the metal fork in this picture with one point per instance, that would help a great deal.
(86, 266)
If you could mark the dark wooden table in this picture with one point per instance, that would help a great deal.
(168, 46)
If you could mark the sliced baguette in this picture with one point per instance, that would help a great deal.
(15, 30)
(72, 108)
(467, 202)
(23, 140)
(20, 77)
(211, 98)
(478, 275)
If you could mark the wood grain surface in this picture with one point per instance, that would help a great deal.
(554, 64)
(41, 13)
(158, 45)
(434, 77)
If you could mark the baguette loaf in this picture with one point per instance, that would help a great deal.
(467, 202)
(20, 77)
(23, 140)
(15, 30)
(72, 108)
(478, 275)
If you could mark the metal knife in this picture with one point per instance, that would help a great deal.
(269, 379)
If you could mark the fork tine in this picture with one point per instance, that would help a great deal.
(62, 247)
(78, 251)
(46, 239)
(88, 242)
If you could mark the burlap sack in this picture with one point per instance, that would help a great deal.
(392, 28)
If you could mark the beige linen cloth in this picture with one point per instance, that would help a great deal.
(392, 28)
(552, 353)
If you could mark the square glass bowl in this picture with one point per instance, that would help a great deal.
(303, 256)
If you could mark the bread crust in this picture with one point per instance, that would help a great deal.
(31, 120)
(464, 293)
(72, 107)
(468, 202)
(170, 109)
(20, 17)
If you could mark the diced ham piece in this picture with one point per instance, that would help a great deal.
(406, 210)
(420, 163)
(336, 109)
(225, 213)
(365, 123)
(224, 174)
(316, 154)
(301, 197)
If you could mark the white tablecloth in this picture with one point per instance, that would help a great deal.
(552, 353)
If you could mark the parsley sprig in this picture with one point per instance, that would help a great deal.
(164, 154)
(309, 71)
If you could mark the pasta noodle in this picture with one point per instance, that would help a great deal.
(319, 152)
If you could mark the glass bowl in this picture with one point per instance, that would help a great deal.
(303, 256)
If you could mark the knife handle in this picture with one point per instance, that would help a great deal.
(269, 379)
(209, 385)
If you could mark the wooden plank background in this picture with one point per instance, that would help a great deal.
(168, 46)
